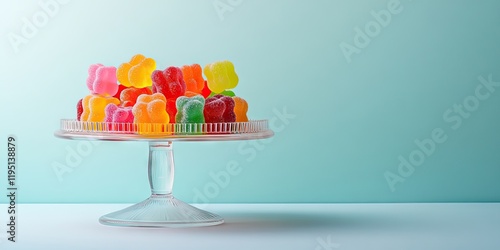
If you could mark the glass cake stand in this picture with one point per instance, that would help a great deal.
(162, 209)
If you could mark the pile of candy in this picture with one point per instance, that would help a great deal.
(137, 93)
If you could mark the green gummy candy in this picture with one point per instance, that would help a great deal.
(229, 93)
(190, 110)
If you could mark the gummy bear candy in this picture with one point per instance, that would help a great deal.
(137, 72)
(93, 107)
(171, 109)
(151, 109)
(129, 96)
(219, 108)
(220, 76)
(169, 82)
(193, 78)
(190, 94)
(116, 114)
(102, 80)
(119, 92)
(240, 109)
(205, 92)
(190, 109)
(79, 109)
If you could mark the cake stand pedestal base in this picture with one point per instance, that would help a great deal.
(161, 211)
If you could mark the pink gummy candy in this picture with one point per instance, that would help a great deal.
(102, 80)
(117, 114)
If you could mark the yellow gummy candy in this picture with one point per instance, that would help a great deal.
(94, 107)
(220, 76)
(137, 72)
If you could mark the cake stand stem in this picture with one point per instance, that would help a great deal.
(161, 168)
(161, 209)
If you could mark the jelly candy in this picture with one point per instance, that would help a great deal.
(225, 92)
(117, 114)
(193, 78)
(171, 109)
(137, 72)
(119, 92)
(129, 96)
(93, 107)
(220, 76)
(240, 109)
(219, 108)
(190, 109)
(102, 80)
(151, 109)
(214, 110)
(79, 109)
(205, 92)
(169, 82)
(190, 93)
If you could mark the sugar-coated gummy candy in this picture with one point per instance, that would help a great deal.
(137, 72)
(117, 114)
(190, 109)
(102, 80)
(169, 82)
(79, 109)
(94, 107)
(214, 110)
(240, 109)
(151, 109)
(119, 92)
(219, 108)
(190, 93)
(193, 78)
(220, 76)
(129, 96)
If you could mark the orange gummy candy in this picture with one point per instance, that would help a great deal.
(129, 96)
(151, 109)
(94, 107)
(193, 78)
(240, 109)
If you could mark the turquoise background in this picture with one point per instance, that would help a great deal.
(348, 124)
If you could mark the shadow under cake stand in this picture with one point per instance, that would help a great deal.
(162, 209)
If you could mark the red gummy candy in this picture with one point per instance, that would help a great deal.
(118, 93)
(205, 92)
(219, 108)
(129, 96)
(169, 82)
(214, 110)
(171, 109)
(79, 109)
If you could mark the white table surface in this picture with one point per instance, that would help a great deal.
(267, 226)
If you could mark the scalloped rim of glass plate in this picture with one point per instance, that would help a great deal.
(262, 133)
